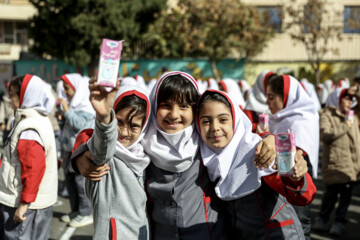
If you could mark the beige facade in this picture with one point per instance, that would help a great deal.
(14, 15)
(283, 48)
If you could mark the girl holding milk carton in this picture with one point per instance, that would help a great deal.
(339, 132)
(293, 110)
(257, 201)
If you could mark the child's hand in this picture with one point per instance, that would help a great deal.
(64, 103)
(348, 123)
(88, 169)
(20, 212)
(300, 168)
(102, 100)
(265, 152)
(259, 130)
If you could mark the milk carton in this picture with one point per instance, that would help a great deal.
(264, 121)
(350, 116)
(285, 153)
(109, 62)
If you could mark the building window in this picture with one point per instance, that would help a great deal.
(352, 19)
(13, 32)
(312, 19)
(272, 16)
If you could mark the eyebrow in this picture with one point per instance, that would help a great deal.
(220, 115)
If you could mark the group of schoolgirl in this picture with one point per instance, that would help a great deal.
(29, 165)
(177, 165)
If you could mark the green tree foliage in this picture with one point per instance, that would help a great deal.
(73, 30)
(215, 29)
(313, 25)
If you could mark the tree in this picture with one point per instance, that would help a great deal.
(314, 26)
(215, 29)
(73, 30)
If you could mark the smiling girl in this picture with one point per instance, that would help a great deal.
(119, 200)
(253, 200)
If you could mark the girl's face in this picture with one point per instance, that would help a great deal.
(173, 117)
(274, 101)
(216, 124)
(15, 101)
(69, 92)
(128, 133)
(345, 103)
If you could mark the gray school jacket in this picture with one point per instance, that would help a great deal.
(184, 205)
(119, 199)
(264, 215)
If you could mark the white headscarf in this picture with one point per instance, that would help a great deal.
(203, 85)
(232, 88)
(80, 101)
(171, 152)
(300, 117)
(334, 98)
(36, 94)
(60, 90)
(151, 84)
(244, 86)
(322, 93)
(212, 84)
(233, 165)
(256, 97)
(141, 82)
(133, 156)
(310, 90)
(344, 83)
(128, 81)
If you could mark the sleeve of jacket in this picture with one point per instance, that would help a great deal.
(32, 161)
(102, 144)
(328, 132)
(80, 146)
(79, 120)
(300, 193)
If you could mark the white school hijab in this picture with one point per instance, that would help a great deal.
(321, 93)
(300, 117)
(335, 98)
(232, 88)
(141, 81)
(203, 85)
(36, 94)
(213, 84)
(80, 101)
(151, 84)
(310, 90)
(128, 81)
(244, 86)
(256, 101)
(171, 152)
(133, 156)
(233, 165)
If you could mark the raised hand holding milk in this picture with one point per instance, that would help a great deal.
(109, 62)
(285, 153)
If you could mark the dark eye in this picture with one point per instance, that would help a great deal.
(223, 120)
(120, 122)
(184, 106)
(204, 122)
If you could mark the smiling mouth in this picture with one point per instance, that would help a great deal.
(172, 124)
(216, 139)
(122, 139)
